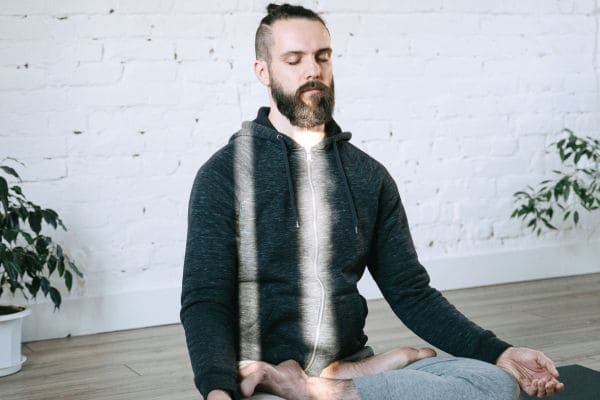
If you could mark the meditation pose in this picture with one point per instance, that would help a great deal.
(283, 220)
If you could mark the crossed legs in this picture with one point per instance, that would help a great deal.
(393, 375)
(289, 381)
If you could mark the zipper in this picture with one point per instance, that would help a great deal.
(315, 261)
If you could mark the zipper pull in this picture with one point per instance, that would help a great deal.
(308, 154)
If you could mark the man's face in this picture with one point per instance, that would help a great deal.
(300, 72)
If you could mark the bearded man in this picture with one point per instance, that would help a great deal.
(283, 221)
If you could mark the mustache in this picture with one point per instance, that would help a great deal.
(313, 85)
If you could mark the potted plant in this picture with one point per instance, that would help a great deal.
(573, 189)
(27, 260)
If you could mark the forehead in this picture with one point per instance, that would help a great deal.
(299, 34)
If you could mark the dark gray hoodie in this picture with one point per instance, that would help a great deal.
(278, 237)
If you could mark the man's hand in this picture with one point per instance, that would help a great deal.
(534, 371)
(218, 395)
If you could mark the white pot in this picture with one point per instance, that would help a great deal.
(11, 358)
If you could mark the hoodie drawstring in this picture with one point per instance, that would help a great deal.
(291, 185)
(347, 186)
(289, 178)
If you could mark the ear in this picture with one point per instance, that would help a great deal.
(261, 70)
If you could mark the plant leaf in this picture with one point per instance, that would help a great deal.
(45, 285)
(10, 235)
(41, 246)
(548, 224)
(55, 296)
(4, 193)
(51, 264)
(35, 221)
(50, 217)
(60, 266)
(68, 279)
(27, 237)
(74, 268)
(11, 270)
(34, 287)
(17, 190)
(10, 171)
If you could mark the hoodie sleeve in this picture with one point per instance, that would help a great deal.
(208, 296)
(404, 282)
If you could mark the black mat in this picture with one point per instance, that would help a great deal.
(581, 383)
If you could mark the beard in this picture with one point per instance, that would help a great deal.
(317, 110)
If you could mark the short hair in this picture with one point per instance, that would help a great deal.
(275, 12)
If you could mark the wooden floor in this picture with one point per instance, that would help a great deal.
(558, 316)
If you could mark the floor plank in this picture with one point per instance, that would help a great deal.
(560, 317)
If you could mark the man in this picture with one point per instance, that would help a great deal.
(283, 221)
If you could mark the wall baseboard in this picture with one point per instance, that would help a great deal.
(140, 309)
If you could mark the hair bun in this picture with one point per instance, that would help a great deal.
(272, 7)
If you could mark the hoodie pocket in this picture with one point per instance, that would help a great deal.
(351, 314)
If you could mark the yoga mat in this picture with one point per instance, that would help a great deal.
(581, 383)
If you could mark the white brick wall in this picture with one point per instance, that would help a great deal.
(113, 105)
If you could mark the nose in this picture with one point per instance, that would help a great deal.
(313, 69)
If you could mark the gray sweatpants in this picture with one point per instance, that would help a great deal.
(443, 378)
(447, 378)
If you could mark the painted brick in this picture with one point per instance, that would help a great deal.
(446, 147)
(138, 49)
(12, 78)
(380, 7)
(97, 27)
(136, 71)
(457, 99)
(192, 6)
(34, 148)
(203, 26)
(45, 99)
(20, 124)
(85, 74)
(146, 7)
(206, 72)
(60, 7)
(23, 28)
(24, 7)
(503, 146)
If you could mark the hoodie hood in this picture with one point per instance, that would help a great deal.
(261, 128)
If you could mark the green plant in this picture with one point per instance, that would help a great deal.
(574, 188)
(31, 260)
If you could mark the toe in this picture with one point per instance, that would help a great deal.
(550, 388)
(249, 383)
(425, 352)
(541, 388)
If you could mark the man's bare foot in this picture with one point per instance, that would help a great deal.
(288, 380)
(393, 359)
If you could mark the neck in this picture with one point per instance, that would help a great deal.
(306, 137)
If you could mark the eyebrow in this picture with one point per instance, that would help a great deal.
(299, 52)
